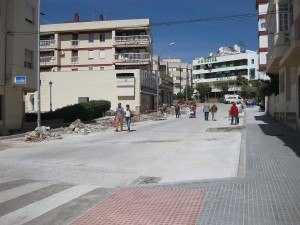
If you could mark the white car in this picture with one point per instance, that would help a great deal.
(230, 98)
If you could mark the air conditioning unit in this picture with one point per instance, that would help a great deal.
(61, 53)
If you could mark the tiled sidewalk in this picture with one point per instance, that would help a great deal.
(267, 191)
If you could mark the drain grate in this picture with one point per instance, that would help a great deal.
(225, 129)
(147, 180)
(157, 141)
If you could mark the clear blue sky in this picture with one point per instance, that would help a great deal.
(192, 40)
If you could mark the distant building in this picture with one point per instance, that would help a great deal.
(181, 73)
(18, 57)
(109, 60)
(165, 81)
(262, 9)
(283, 61)
(225, 66)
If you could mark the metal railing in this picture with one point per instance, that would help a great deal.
(47, 59)
(74, 59)
(132, 56)
(47, 43)
(133, 38)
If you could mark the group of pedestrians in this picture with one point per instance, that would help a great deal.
(233, 112)
(207, 109)
(119, 117)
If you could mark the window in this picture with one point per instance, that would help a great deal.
(91, 37)
(28, 62)
(102, 37)
(30, 14)
(283, 17)
(281, 82)
(91, 68)
(83, 99)
(1, 107)
(91, 54)
(102, 54)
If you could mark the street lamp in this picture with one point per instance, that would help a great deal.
(50, 85)
(158, 75)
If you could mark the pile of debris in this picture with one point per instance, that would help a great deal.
(77, 127)
(40, 134)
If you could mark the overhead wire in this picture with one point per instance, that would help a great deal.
(178, 22)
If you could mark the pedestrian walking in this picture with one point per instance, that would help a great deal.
(119, 116)
(234, 113)
(177, 110)
(206, 110)
(214, 110)
(128, 114)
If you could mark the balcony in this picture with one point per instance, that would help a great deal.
(75, 59)
(292, 55)
(278, 45)
(75, 43)
(132, 58)
(133, 40)
(48, 43)
(47, 60)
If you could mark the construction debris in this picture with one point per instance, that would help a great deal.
(40, 134)
(97, 125)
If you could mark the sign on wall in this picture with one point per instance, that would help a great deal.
(207, 60)
(20, 80)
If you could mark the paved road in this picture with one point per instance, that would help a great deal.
(54, 182)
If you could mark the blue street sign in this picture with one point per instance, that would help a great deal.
(20, 80)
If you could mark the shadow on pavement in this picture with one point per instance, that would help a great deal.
(272, 127)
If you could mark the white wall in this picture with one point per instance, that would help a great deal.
(68, 86)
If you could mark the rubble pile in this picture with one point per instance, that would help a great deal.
(40, 134)
(78, 127)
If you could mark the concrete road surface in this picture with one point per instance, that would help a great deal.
(174, 150)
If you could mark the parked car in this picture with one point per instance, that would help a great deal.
(183, 102)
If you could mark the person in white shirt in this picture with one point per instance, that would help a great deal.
(128, 113)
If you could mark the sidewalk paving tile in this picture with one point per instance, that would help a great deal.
(147, 206)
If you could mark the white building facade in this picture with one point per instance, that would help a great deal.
(18, 57)
(110, 60)
(283, 61)
(262, 9)
(225, 66)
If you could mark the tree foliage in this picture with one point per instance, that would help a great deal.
(203, 88)
(241, 81)
(189, 91)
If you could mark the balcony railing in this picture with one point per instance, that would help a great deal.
(47, 59)
(75, 43)
(47, 43)
(74, 59)
(132, 56)
(134, 39)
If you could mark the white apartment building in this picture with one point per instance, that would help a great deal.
(84, 61)
(181, 73)
(225, 66)
(18, 54)
(283, 60)
(262, 9)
